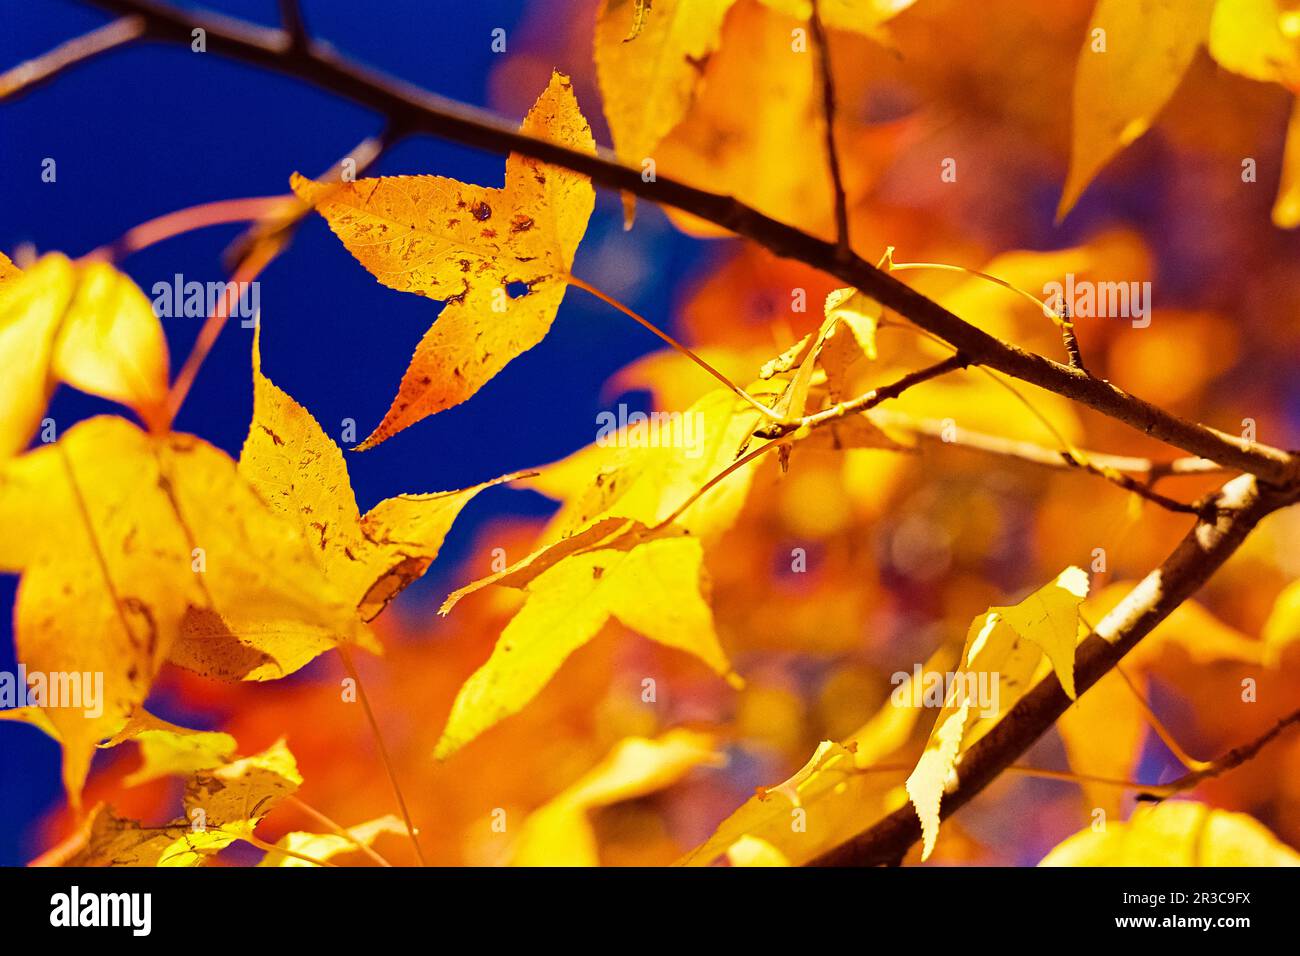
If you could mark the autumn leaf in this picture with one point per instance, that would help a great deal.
(648, 84)
(608, 554)
(82, 323)
(841, 786)
(1256, 39)
(222, 805)
(300, 472)
(1133, 58)
(1282, 628)
(126, 540)
(326, 846)
(654, 589)
(559, 833)
(169, 750)
(499, 258)
(1175, 833)
(1005, 647)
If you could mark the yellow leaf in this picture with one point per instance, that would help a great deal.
(559, 833)
(654, 589)
(83, 323)
(1286, 207)
(627, 477)
(1125, 75)
(326, 846)
(236, 796)
(845, 790)
(500, 258)
(1103, 733)
(825, 751)
(167, 749)
(648, 85)
(861, 16)
(110, 840)
(140, 538)
(301, 473)
(1176, 833)
(928, 782)
(1282, 628)
(1258, 39)
(755, 851)
(1006, 648)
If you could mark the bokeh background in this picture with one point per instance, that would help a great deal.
(903, 550)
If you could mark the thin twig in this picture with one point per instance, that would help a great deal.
(26, 76)
(822, 43)
(325, 821)
(187, 220)
(292, 22)
(346, 657)
(949, 433)
(867, 400)
(678, 346)
(1232, 759)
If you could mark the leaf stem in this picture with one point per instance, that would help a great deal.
(346, 656)
(647, 324)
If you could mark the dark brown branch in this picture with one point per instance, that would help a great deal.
(292, 22)
(1239, 506)
(409, 108)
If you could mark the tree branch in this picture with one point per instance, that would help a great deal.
(939, 430)
(28, 75)
(1238, 507)
(410, 109)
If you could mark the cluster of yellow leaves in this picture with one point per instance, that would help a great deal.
(225, 798)
(127, 540)
(222, 804)
(605, 555)
(472, 247)
(1135, 55)
(137, 549)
